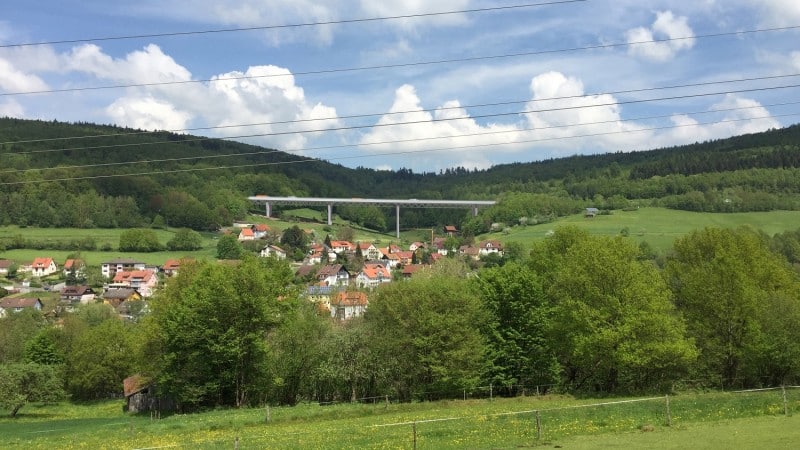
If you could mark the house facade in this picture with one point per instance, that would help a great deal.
(42, 267)
(333, 275)
(110, 268)
(75, 295)
(274, 251)
(373, 275)
(144, 281)
(349, 304)
(10, 305)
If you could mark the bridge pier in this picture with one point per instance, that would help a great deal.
(330, 214)
(397, 221)
(268, 209)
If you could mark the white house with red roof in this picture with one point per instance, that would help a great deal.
(42, 267)
(144, 281)
(246, 234)
(340, 247)
(369, 251)
(260, 230)
(348, 304)
(274, 251)
(373, 275)
(489, 247)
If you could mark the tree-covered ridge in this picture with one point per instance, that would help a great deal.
(128, 178)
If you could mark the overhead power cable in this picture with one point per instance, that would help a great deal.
(414, 122)
(395, 153)
(390, 113)
(401, 141)
(396, 66)
(287, 26)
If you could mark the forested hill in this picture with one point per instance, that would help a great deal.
(60, 174)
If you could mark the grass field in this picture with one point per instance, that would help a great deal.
(658, 226)
(710, 420)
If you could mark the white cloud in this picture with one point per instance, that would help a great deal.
(449, 127)
(666, 26)
(396, 8)
(15, 80)
(147, 113)
(149, 65)
(11, 108)
(562, 110)
(778, 13)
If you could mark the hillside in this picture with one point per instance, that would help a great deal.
(84, 175)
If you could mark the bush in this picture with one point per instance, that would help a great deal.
(139, 240)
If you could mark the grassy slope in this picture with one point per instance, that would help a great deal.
(658, 226)
(714, 420)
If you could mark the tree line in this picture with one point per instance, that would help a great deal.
(576, 313)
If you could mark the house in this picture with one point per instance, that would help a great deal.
(246, 234)
(340, 247)
(333, 275)
(591, 212)
(109, 269)
(440, 246)
(115, 296)
(410, 270)
(274, 251)
(321, 295)
(313, 258)
(75, 266)
(391, 260)
(405, 258)
(489, 247)
(13, 305)
(42, 267)
(142, 395)
(468, 250)
(348, 304)
(373, 275)
(5, 265)
(172, 266)
(77, 295)
(416, 246)
(260, 230)
(450, 230)
(144, 281)
(369, 251)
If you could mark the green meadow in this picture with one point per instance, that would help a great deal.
(696, 420)
(658, 226)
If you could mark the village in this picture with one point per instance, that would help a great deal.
(336, 275)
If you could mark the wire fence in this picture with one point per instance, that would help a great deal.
(524, 427)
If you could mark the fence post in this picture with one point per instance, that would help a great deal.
(538, 425)
(669, 415)
(266, 419)
(491, 387)
(414, 431)
(785, 406)
(236, 443)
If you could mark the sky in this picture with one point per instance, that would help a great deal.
(421, 85)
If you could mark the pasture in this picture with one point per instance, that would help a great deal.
(706, 420)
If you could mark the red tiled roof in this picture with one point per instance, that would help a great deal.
(41, 263)
(121, 277)
(26, 302)
(352, 298)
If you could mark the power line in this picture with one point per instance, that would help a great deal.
(444, 108)
(342, 158)
(413, 122)
(521, 130)
(286, 26)
(396, 66)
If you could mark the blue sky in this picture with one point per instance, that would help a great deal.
(554, 102)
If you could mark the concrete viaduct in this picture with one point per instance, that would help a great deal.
(269, 202)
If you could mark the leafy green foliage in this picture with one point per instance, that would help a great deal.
(521, 354)
(614, 326)
(139, 240)
(212, 322)
(21, 384)
(15, 330)
(228, 247)
(425, 331)
(185, 239)
(741, 302)
(100, 358)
